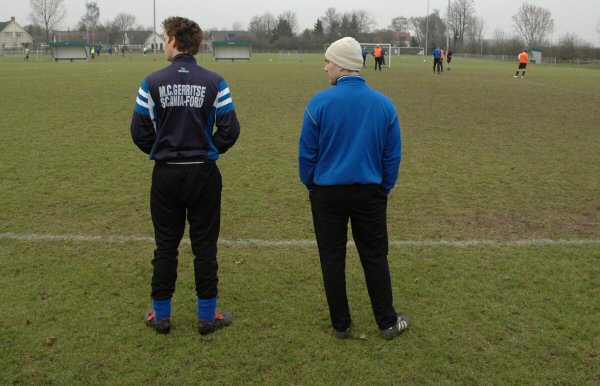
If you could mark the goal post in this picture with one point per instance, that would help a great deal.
(387, 48)
(289, 54)
(407, 51)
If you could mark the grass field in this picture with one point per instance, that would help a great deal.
(495, 229)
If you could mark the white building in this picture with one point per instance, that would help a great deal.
(154, 37)
(13, 36)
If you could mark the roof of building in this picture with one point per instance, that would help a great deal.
(71, 44)
(5, 24)
(138, 37)
(231, 35)
(70, 36)
(403, 35)
(133, 37)
(238, 43)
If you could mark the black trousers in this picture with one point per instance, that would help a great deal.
(437, 63)
(378, 62)
(179, 190)
(366, 208)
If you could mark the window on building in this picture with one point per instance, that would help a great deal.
(8, 34)
(18, 34)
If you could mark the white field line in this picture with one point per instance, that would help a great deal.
(304, 243)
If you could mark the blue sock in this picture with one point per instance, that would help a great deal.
(162, 309)
(207, 309)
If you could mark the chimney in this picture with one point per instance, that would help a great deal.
(12, 18)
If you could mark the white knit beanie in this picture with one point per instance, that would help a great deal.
(346, 53)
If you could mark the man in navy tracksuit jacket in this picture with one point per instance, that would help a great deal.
(349, 157)
(174, 118)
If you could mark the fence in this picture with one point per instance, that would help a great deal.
(504, 58)
(12, 51)
(580, 62)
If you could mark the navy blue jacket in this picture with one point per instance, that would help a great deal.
(177, 109)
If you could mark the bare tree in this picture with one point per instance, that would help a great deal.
(436, 29)
(263, 26)
(110, 32)
(349, 25)
(332, 22)
(90, 19)
(533, 23)
(461, 14)
(399, 24)
(499, 35)
(47, 14)
(124, 22)
(418, 26)
(365, 21)
(237, 26)
(475, 33)
(567, 46)
(292, 20)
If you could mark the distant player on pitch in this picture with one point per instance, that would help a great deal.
(523, 60)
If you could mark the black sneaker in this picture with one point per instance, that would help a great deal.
(162, 327)
(344, 334)
(205, 328)
(401, 325)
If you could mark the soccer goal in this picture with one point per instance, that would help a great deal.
(403, 51)
(387, 49)
(289, 54)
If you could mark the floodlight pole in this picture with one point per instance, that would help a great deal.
(448, 27)
(426, 28)
(154, 34)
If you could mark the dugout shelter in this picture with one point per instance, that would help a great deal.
(536, 55)
(70, 51)
(232, 50)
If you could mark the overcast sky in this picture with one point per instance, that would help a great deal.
(574, 16)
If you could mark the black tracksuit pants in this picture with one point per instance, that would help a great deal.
(366, 208)
(437, 62)
(179, 190)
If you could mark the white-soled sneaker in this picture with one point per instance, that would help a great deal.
(401, 325)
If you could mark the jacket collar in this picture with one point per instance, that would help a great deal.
(351, 79)
(184, 58)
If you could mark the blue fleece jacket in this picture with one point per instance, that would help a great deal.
(350, 136)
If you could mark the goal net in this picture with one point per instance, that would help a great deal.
(289, 54)
(400, 51)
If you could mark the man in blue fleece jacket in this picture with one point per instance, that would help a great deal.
(350, 150)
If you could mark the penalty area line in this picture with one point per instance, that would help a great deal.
(119, 239)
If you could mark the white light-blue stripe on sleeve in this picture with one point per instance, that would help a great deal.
(144, 104)
(141, 103)
(222, 93)
(143, 95)
(224, 103)
(151, 107)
